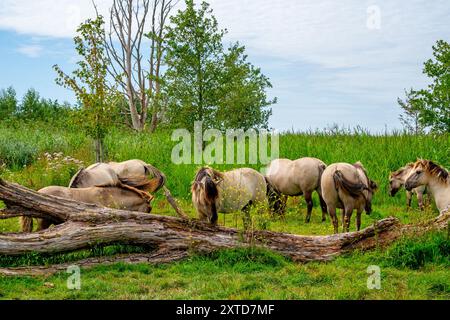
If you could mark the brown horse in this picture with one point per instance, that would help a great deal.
(295, 178)
(436, 178)
(112, 197)
(347, 186)
(397, 181)
(227, 192)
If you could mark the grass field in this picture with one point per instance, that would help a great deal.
(411, 269)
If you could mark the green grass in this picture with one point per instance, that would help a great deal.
(411, 269)
(242, 274)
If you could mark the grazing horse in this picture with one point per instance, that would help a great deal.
(436, 178)
(112, 197)
(294, 178)
(347, 186)
(135, 175)
(227, 192)
(397, 181)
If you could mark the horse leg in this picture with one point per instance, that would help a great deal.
(420, 200)
(408, 199)
(347, 218)
(323, 205)
(358, 219)
(145, 195)
(26, 224)
(334, 219)
(309, 204)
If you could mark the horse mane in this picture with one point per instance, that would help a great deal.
(76, 178)
(353, 189)
(401, 170)
(211, 177)
(432, 168)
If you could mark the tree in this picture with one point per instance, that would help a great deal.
(436, 110)
(140, 86)
(205, 83)
(194, 53)
(8, 103)
(411, 117)
(89, 83)
(432, 105)
(243, 99)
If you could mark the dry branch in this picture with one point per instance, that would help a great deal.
(84, 225)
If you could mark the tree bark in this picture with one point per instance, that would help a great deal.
(84, 225)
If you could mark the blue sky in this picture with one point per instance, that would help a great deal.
(343, 62)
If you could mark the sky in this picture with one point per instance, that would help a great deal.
(330, 62)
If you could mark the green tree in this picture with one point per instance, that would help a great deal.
(436, 110)
(8, 103)
(31, 106)
(194, 52)
(432, 104)
(89, 83)
(205, 83)
(243, 101)
(412, 108)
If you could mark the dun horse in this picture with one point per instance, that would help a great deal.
(397, 181)
(436, 178)
(294, 178)
(216, 192)
(135, 175)
(112, 197)
(347, 187)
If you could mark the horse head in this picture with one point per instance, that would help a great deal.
(205, 193)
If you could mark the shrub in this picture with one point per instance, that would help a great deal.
(15, 154)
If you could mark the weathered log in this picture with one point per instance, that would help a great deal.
(84, 225)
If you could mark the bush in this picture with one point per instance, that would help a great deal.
(15, 154)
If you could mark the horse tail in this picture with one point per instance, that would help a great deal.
(159, 179)
(353, 189)
(322, 167)
(26, 224)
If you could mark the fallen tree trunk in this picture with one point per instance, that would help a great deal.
(84, 225)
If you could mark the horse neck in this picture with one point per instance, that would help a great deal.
(440, 191)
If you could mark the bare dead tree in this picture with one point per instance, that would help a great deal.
(138, 78)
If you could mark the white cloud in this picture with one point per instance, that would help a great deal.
(47, 18)
(32, 51)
